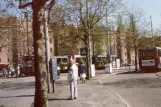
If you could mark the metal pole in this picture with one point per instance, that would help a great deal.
(47, 51)
(152, 30)
(53, 86)
(108, 41)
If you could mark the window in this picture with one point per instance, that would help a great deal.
(50, 49)
(51, 40)
(8, 38)
(18, 21)
(125, 53)
(8, 50)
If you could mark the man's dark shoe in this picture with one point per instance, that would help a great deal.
(75, 98)
(70, 98)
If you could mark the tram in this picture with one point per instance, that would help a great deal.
(150, 59)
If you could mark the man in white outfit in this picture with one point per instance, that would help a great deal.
(72, 78)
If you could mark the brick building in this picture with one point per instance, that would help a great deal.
(16, 40)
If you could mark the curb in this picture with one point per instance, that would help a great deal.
(123, 100)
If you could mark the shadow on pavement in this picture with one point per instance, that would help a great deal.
(137, 83)
(56, 99)
(17, 96)
(61, 82)
(98, 72)
(65, 82)
(134, 72)
(17, 86)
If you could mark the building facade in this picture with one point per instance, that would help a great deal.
(16, 40)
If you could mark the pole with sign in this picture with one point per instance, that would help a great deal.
(53, 70)
(83, 51)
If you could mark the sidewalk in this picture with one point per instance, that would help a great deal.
(91, 94)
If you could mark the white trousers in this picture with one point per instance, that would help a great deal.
(73, 89)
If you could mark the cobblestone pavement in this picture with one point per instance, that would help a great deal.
(139, 90)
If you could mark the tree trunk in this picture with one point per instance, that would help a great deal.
(87, 59)
(39, 55)
(136, 61)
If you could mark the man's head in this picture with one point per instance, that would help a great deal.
(71, 59)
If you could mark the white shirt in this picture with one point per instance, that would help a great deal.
(73, 73)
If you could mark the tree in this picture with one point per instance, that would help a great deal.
(5, 32)
(98, 39)
(38, 8)
(133, 40)
(65, 39)
(85, 15)
(120, 36)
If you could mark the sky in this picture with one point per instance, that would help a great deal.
(149, 7)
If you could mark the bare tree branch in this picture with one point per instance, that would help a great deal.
(21, 6)
(52, 2)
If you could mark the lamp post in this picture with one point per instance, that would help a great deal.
(108, 41)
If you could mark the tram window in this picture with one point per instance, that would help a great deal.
(104, 59)
(64, 60)
(58, 60)
(140, 53)
(144, 53)
(99, 58)
(151, 53)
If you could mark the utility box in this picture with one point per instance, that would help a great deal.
(108, 68)
(53, 68)
(93, 70)
(117, 63)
